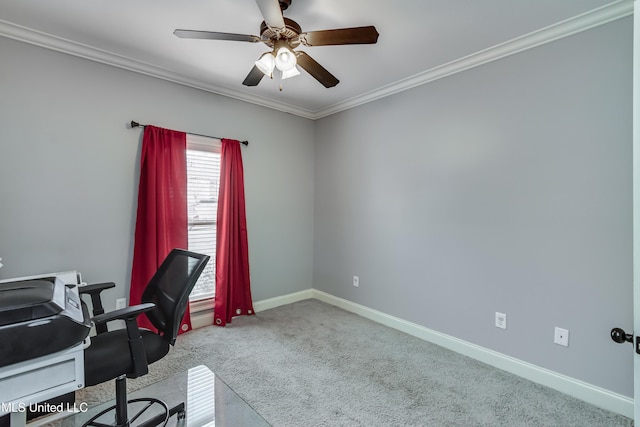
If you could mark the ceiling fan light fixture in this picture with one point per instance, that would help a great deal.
(283, 35)
(292, 72)
(285, 59)
(266, 64)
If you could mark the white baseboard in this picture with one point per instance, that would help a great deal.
(266, 304)
(201, 313)
(201, 320)
(589, 393)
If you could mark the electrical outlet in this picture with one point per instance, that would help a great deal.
(121, 303)
(561, 337)
(501, 320)
(356, 281)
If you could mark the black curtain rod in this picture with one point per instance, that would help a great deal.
(136, 124)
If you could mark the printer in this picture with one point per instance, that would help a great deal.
(40, 317)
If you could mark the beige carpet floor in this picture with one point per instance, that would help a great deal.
(312, 364)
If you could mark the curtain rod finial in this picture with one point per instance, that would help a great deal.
(134, 124)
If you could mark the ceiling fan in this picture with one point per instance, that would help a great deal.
(283, 35)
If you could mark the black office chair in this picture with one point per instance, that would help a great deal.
(126, 353)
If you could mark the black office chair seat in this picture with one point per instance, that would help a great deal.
(112, 357)
(127, 353)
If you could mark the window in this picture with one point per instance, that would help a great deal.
(203, 179)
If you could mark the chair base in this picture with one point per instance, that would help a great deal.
(161, 418)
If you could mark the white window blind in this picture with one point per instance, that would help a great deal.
(203, 179)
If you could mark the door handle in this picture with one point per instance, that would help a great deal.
(620, 336)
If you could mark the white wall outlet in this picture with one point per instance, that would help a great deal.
(561, 337)
(501, 320)
(121, 303)
(356, 281)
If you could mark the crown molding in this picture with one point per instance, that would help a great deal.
(59, 44)
(579, 23)
(566, 28)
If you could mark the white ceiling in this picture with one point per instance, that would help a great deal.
(419, 40)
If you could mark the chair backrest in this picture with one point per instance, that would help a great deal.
(169, 290)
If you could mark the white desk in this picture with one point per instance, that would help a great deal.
(36, 380)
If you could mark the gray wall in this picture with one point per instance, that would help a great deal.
(69, 169)
(506, 188)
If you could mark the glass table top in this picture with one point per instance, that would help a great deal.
(208, 400)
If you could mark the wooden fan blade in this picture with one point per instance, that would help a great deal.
(271, 13)
(254, 77)
(355, 35)
(212, 35)
(316, 70)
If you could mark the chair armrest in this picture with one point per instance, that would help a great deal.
(94, 290)
(125, 314)
(136, 344)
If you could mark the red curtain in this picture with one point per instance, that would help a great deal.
(161, 221)
(233, 289)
